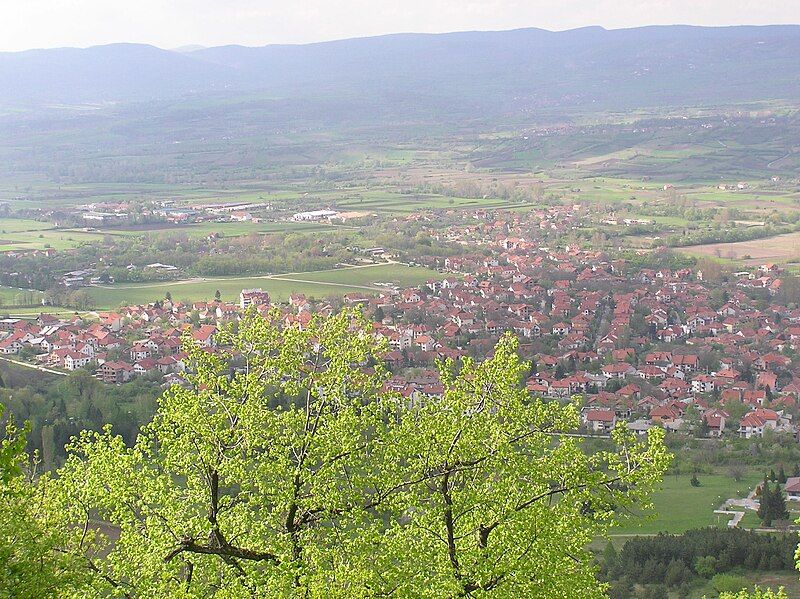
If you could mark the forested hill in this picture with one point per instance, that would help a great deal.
(470, 73)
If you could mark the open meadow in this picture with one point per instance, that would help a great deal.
(19, 225)
(41, 239)
(678, 506)
(225, 229)
(320, 284)
(11, 296)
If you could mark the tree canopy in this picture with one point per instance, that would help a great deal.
(285, 468)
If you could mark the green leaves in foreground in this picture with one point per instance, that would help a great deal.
(31, 566)
(286, 471)
(756, 594)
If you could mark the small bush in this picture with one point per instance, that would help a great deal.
(729, 583)
(706, 566)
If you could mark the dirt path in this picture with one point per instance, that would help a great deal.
(777, 160)
(748, 503)
(34, 367)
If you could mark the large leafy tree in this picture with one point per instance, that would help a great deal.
(502, 502)
(285, 470)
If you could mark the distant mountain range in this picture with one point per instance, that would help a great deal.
(470, 73)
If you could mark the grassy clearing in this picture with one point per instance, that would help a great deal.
(34, 312)
(385, 199)
(386, 202)
(43, 239)
(232, 229)
(313, 284)
(678, 506)
(11, 296)
(17, 225)
(398, 274)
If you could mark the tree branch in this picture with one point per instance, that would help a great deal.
(189, 545)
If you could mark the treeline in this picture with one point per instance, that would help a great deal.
(681, 561)
(478, 189)
(726, 235)
(734, 453)
(660, 258)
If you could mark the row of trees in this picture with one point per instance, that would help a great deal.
(287, 470)
(728, 234)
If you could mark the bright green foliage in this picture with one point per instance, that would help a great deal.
(756, 594)
(729, 583)
(507, 505)
(706, 566)
(29, 566)
(286, 471)
(242, 482)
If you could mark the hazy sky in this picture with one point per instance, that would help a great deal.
(170, 23)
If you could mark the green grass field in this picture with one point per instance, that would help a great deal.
(384, 199)
(678, 506)
(11, 296)
(398, 274)
(49, 238)
(387, 202)
(318, 284)
(34, 312)
(17, 225)
(227, 229)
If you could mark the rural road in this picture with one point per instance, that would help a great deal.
(34, 367)
(777, 160)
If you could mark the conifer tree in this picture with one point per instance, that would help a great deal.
(782, 475)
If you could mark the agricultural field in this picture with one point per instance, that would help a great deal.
(764, 199)
(226, 229)
(368, 275)
(781, 248)
(35, 311)
(56, 239)
(313, 284)
(678, 506)
(397, 203)
(41, 194)
(11, 296)
(19, 225)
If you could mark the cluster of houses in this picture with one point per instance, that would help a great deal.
(134, 341)
(648, 346)
(102, 342)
